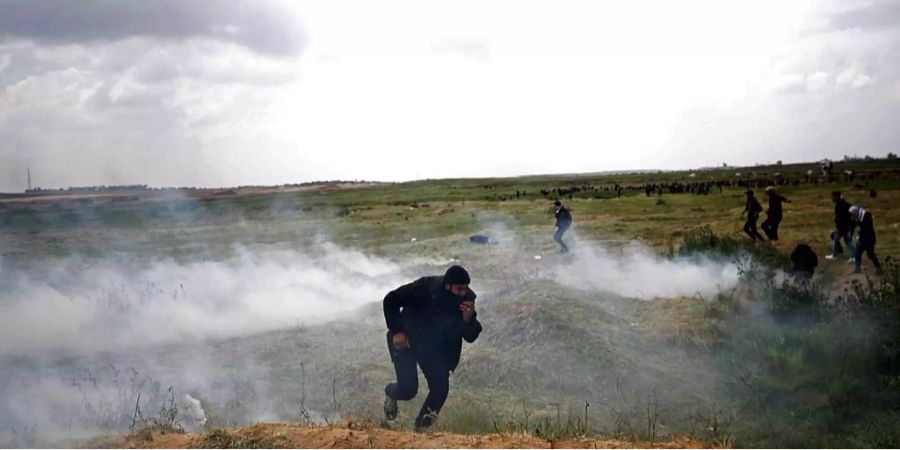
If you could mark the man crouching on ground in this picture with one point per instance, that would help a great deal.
(427, 321)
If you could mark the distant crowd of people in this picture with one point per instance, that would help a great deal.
(848, 220)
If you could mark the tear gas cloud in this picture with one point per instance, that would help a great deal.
(86, 306)
(635, 271)
(91, 307)
(73, 329)
(639, 273)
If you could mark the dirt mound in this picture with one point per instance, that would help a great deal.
(361, 435)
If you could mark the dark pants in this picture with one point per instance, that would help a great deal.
(750, 228)
(436, 374)
(847, 236)
(869, 248)
(560, 230)
(770, 227)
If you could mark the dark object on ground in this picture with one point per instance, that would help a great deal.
(805, 261)
(873, 193)
(481, 239)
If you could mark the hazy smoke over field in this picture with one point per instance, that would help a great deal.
(85, 334)
(81, 337)
(640, 273)
(632, 271)
(100, 305)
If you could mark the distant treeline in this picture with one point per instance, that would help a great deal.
(144, 187)
(80, 189)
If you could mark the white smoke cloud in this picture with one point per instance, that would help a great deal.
(194, 417)
(117, 303)
(640, 273)
(111, 304)
(117, 314)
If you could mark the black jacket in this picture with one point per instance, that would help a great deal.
(842, 216)
(775, 206)
(752, 208)
(563, 217)
(867, 230)
(429, 315)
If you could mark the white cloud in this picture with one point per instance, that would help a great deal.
(816, 81)
(120, 119)
(5, 59)
(261, 25)
(894, 91)
(390, 91)
(787, 83)
(854, 79)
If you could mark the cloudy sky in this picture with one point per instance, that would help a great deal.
(198, 93)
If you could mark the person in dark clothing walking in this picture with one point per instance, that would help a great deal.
(773, 214)
(563, 222)
(752, 210)
(427, 321)
(843, 228)
(866, 243)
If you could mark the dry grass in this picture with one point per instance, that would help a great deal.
(364, 435)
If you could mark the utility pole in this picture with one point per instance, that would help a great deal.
(29, 178)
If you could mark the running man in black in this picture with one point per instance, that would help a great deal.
(774, 214)
(843, 226)
(427, 321)
(563, 222)
(752, 210)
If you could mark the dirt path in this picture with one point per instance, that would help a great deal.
(360, 435)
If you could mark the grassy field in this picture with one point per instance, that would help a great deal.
(380, 218)
(561, 355)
